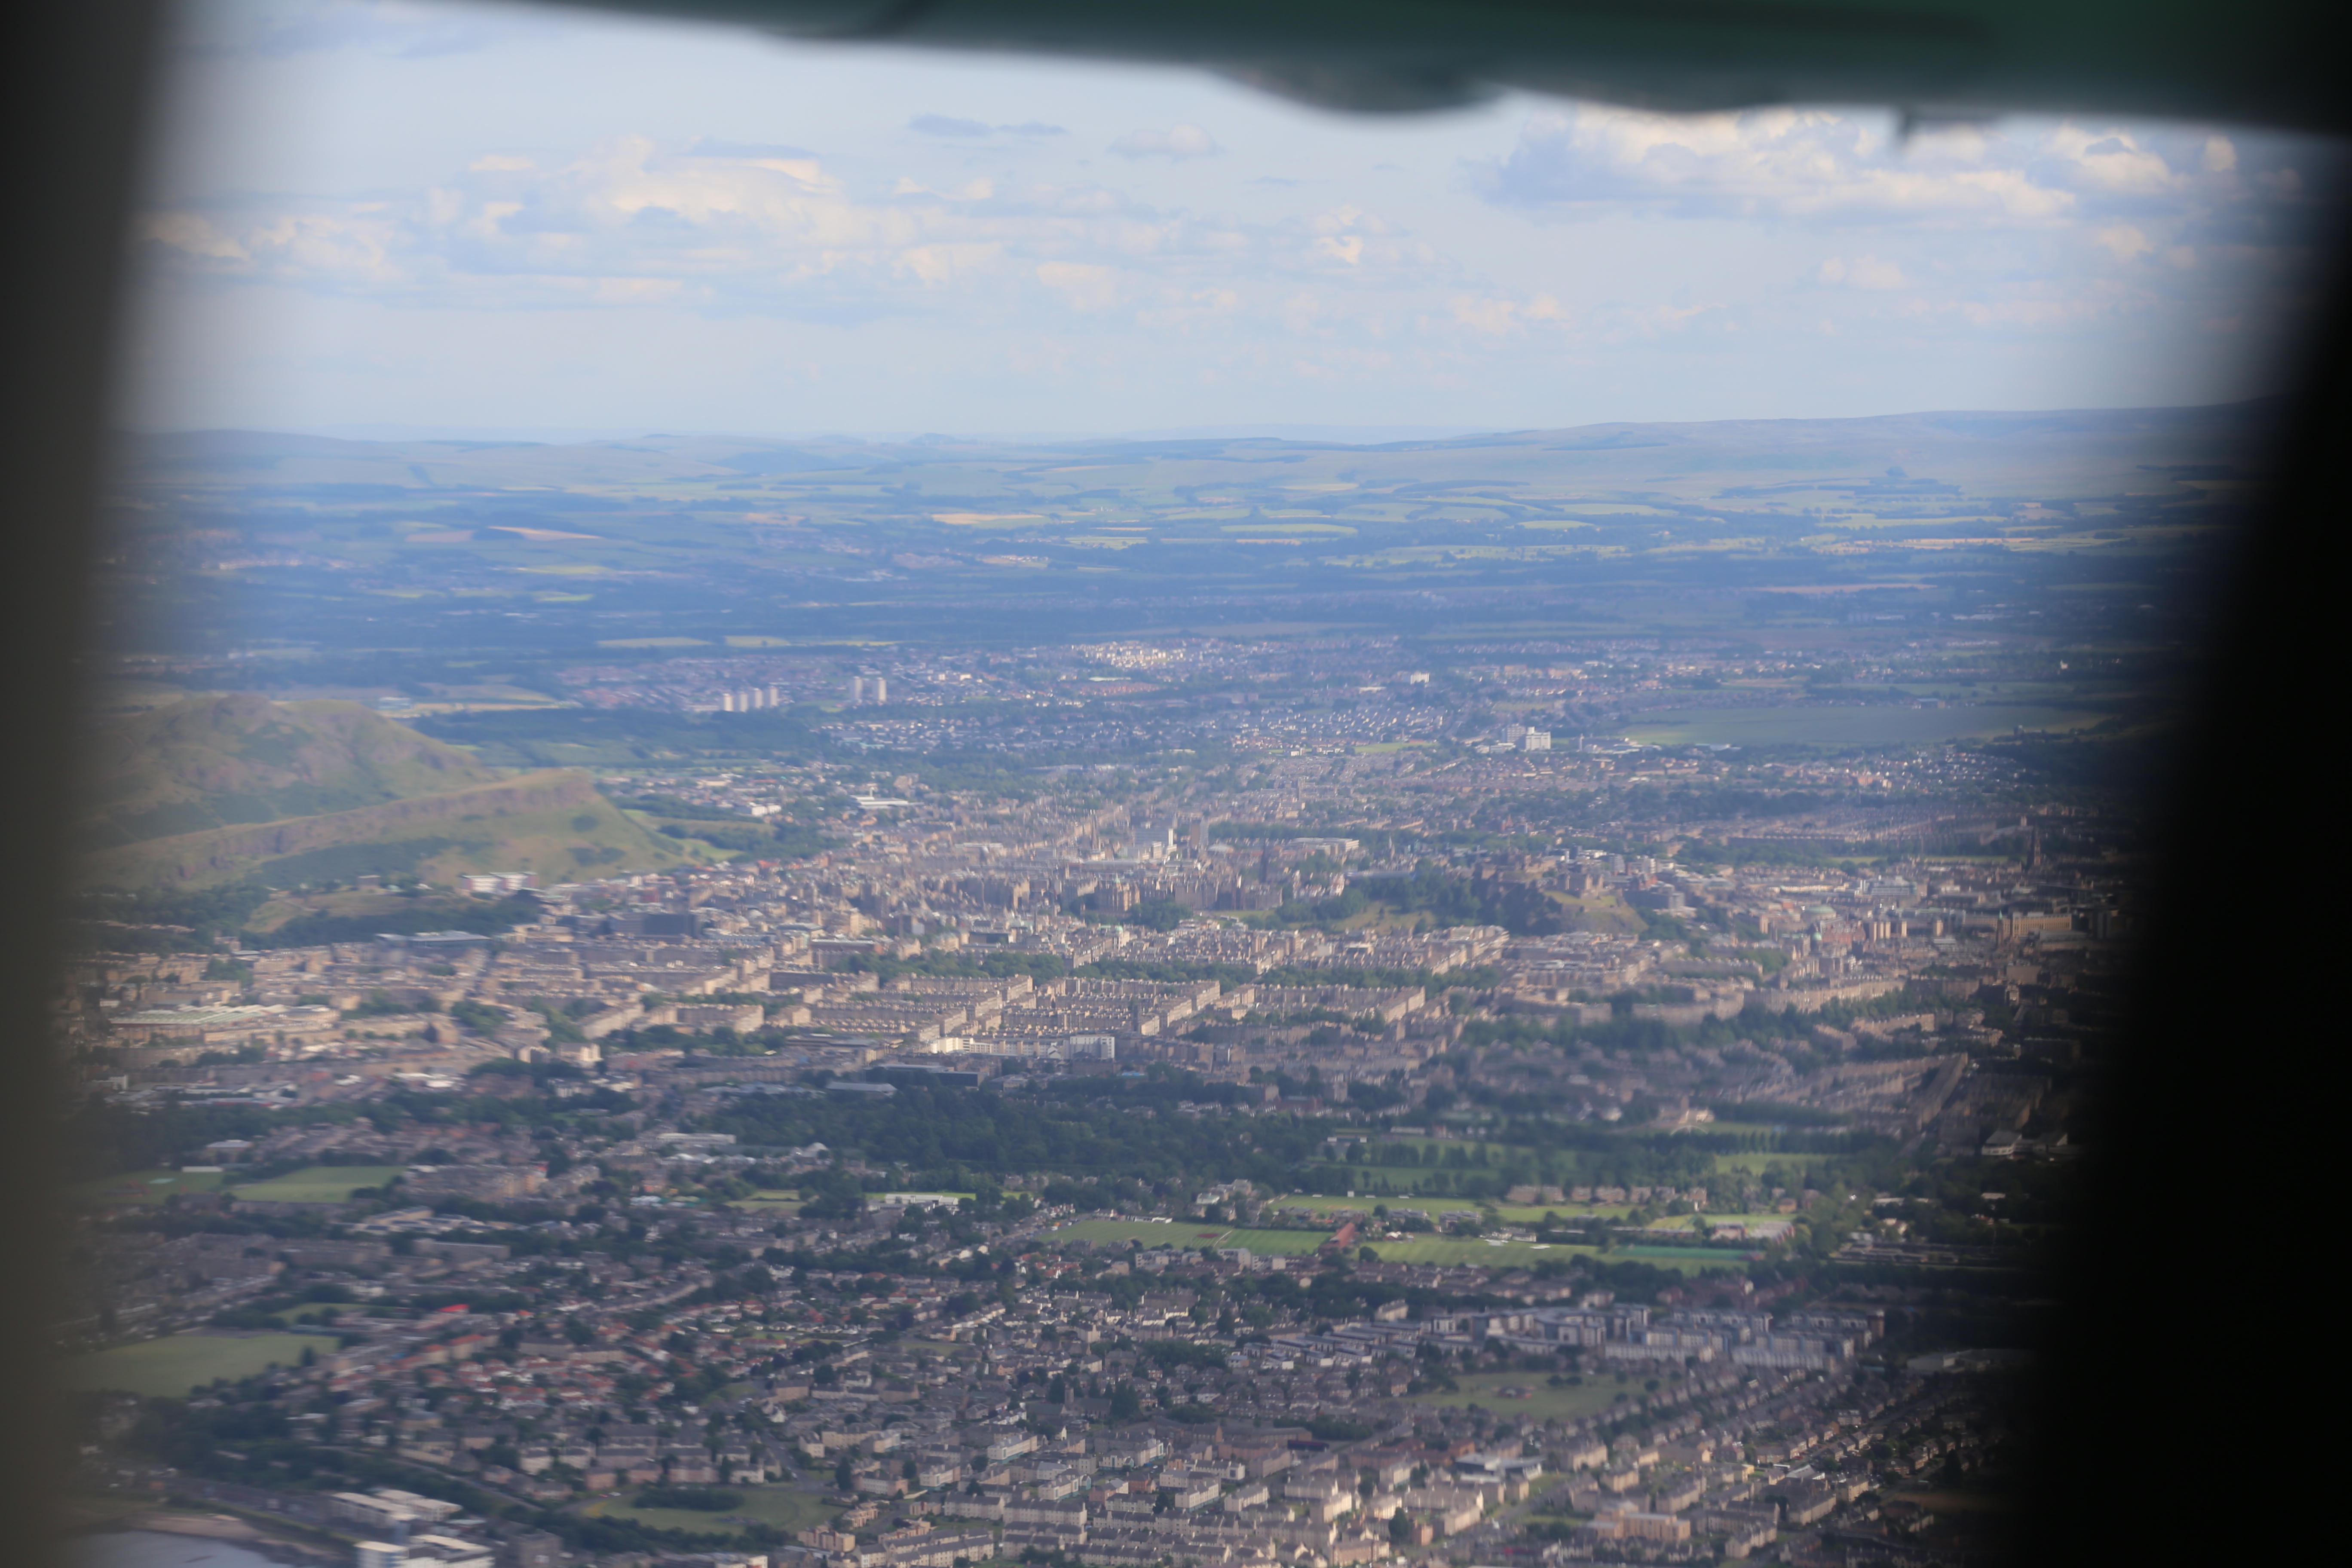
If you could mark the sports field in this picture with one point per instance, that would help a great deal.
(1435, 1204)
(176, 1363)
(770, 1203)
(782, 1507)
(1543, 1401)
(1118, 1231)
(1448, 1250)
(1453, 1251)
(1887, 726)
(319, 1184)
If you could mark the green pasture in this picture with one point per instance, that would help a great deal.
(772, 1203)
(1408, 1184)
(1447, 1251)
(151, 1186)
(1451, 1251)
(319, 1184)
(1887, 726)
(1681, 1222)
(178, 1363)
(1543, 1403)
(1119, 1232)
(1454, 1251)
(317, 1313)
(782, 1507)
(1435, 1204)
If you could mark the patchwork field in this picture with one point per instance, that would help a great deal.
(177, 1363)
(1645, 526)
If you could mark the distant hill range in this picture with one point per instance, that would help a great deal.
(2054, 450)
(218, 789)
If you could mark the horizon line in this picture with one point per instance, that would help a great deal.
(1335, 432)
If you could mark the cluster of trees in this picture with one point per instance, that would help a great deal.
(1643, 1037)
(99, 918)
(481, 916)
(927, 1128)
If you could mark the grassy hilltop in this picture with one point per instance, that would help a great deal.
(221, 789)
(219, 761)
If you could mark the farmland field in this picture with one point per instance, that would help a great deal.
(320, 1184)
(1857, 726)
(178, 1363)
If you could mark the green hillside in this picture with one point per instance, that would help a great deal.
(215, 762)
(553, 823)
(219, 789)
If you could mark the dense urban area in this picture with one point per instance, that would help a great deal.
(1323, 1157)
(1544, 1090)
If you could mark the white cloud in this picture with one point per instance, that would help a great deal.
(726, 230)
(1865, 271)
(1811, 164)
(955, 129)
(946, 125)
(193, 237)
(2113, 164)
(1824, 168)
(1498, 318)
(1790, 261)
(2124, 242)
(1177, 141)
(1080, 286)
(1492, 317)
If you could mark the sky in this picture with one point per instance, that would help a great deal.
(382, 218)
